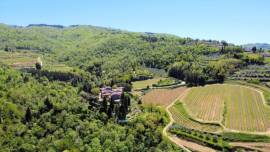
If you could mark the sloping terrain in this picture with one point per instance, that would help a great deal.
(244, 108)
(182, 118)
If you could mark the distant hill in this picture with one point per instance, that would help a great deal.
(249, 46)
(46, 25)
(82, 45)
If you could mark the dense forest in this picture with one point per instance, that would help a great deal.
(43, 110)
(43, 115)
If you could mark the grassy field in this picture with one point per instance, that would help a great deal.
(162, 97)
(236, 107)
(182, 118)
(143, 84)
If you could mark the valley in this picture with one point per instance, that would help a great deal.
(134, 76)
(160, 91)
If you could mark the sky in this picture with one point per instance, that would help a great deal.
(236, 21)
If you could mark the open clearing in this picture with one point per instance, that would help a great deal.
(143, 84)
(242, 107)
(162, 97)
(264, 147)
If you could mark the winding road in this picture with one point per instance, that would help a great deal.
(185, 145)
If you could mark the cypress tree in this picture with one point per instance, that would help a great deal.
(28, 115)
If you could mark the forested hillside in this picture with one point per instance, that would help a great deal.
(54, 106)
(109, 54)
(42, 115)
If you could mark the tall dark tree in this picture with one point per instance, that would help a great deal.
(28, 115)
(1, 119)
(111, 109)
(38, 66)
(48, 104)
(9, 48)
(87, 87)
(104, 106)
(123, 110)
(224, 45)
(254, 49)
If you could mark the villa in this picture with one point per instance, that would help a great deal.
(110, 93)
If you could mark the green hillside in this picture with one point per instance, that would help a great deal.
(54, 104)
(110, 53)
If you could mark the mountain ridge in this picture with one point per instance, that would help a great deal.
(249, 46)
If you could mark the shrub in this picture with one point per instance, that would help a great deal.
(207, 137)
(254, 81)
(215, 139)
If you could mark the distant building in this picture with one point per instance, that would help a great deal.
(266, 54)
(111, 94)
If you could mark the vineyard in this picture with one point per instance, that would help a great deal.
(162, 97)
(203, 110)
(246, 111)
(251, 72)
(182, 118)
(243, 108)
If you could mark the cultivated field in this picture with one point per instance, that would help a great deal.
(243, 108)
(18, 59)
(162, 97)
(182, 118)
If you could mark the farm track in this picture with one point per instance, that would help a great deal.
(185, 145)
(263, 147)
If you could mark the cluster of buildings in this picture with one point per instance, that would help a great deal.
(111, 93)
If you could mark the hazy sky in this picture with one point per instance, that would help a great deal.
(237, 21)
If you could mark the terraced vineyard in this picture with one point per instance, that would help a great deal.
(18, 59)
(24, 59)
(182, 118)
(244, 108)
